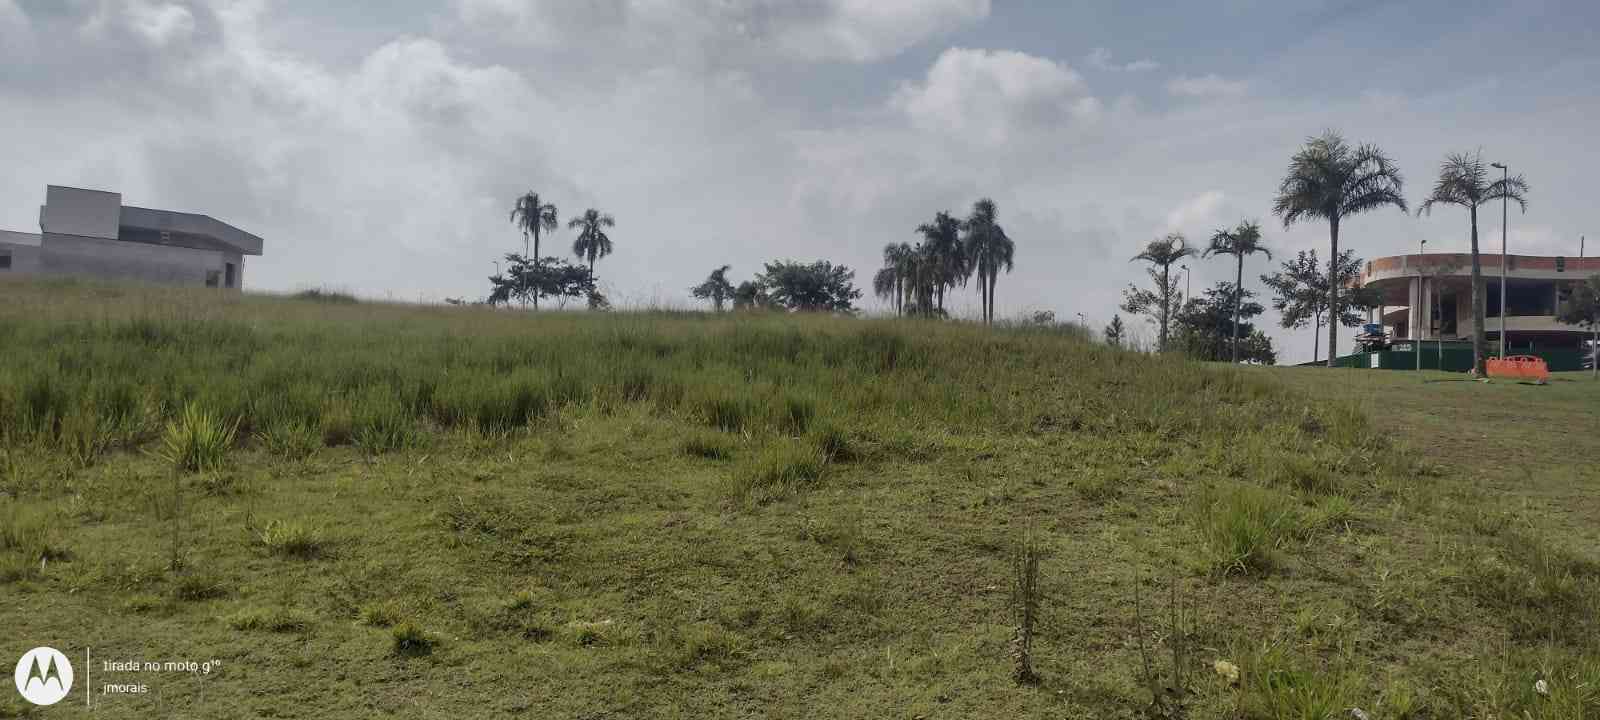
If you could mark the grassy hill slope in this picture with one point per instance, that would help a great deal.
(455, 511)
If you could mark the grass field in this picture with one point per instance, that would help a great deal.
(363, 510)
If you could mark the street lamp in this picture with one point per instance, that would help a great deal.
(1185, 269)
(496, 267)
(1082, 323)
(1505, 204)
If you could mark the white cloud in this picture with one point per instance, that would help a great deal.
(990, 96)
(1206, 86)
(1196, 213)
(1100, 58)
(722, 32)
(863, 30)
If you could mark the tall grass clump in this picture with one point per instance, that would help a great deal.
(1242, 526)
(726, 409)
(382, 423)
(784, 468)
(196, 440)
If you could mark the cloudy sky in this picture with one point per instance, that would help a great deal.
(378, 145)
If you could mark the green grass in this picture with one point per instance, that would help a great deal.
(671, 514)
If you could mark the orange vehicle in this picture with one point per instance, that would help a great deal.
(1519, 367)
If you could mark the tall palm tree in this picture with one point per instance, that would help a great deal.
(1464, 181)
(899, 274)
(988, 250)
(1239, 242)
(1164, 253)
(593, 242)
(1331, 180)
(942, 242)
(532, 216)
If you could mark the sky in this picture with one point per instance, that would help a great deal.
(378, 145)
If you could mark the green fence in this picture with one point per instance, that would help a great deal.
(1453, 357)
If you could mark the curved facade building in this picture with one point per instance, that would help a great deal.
(1429, 297)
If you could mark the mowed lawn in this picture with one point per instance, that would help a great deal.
(460, 512)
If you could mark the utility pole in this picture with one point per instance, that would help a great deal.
(1505, 204)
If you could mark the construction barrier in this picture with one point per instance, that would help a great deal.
(1519, 367)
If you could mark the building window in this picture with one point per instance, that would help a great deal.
(227, 275)
(212, 276)
(5, 261)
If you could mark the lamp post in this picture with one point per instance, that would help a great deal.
(1505, 214)
(1083, 323)
(1185, 269)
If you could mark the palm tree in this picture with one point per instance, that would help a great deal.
(893, 280)
(1239, 242)
(942, 242)
(532, 215)
(1164, 253)
(716, 287)
(987, 250)
(1464, 181)
(1332, 180)
(592, 242)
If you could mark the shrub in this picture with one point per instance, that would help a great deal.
(196, 440)
(411, 640)
(292, 539)
(326, 295)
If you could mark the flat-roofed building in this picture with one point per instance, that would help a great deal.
(91, 234)
(1429, 297)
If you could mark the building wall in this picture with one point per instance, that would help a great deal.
(24, 258)
(136, 262)
(85, 213)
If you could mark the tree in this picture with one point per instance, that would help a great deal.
(816, 287)
(1583, 309)
(1301, 293)
(716, 287)
(1331, 180)
(1115, 332)
(1239, 242)
(532, 215)
(750, 296)
(1158, 304)
(987, 250)
(890, 282)
(945, 256)
(1207, 323)
(1464, 181)
(525, 280)
(593, 242)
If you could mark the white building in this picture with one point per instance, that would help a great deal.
(90, 233)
